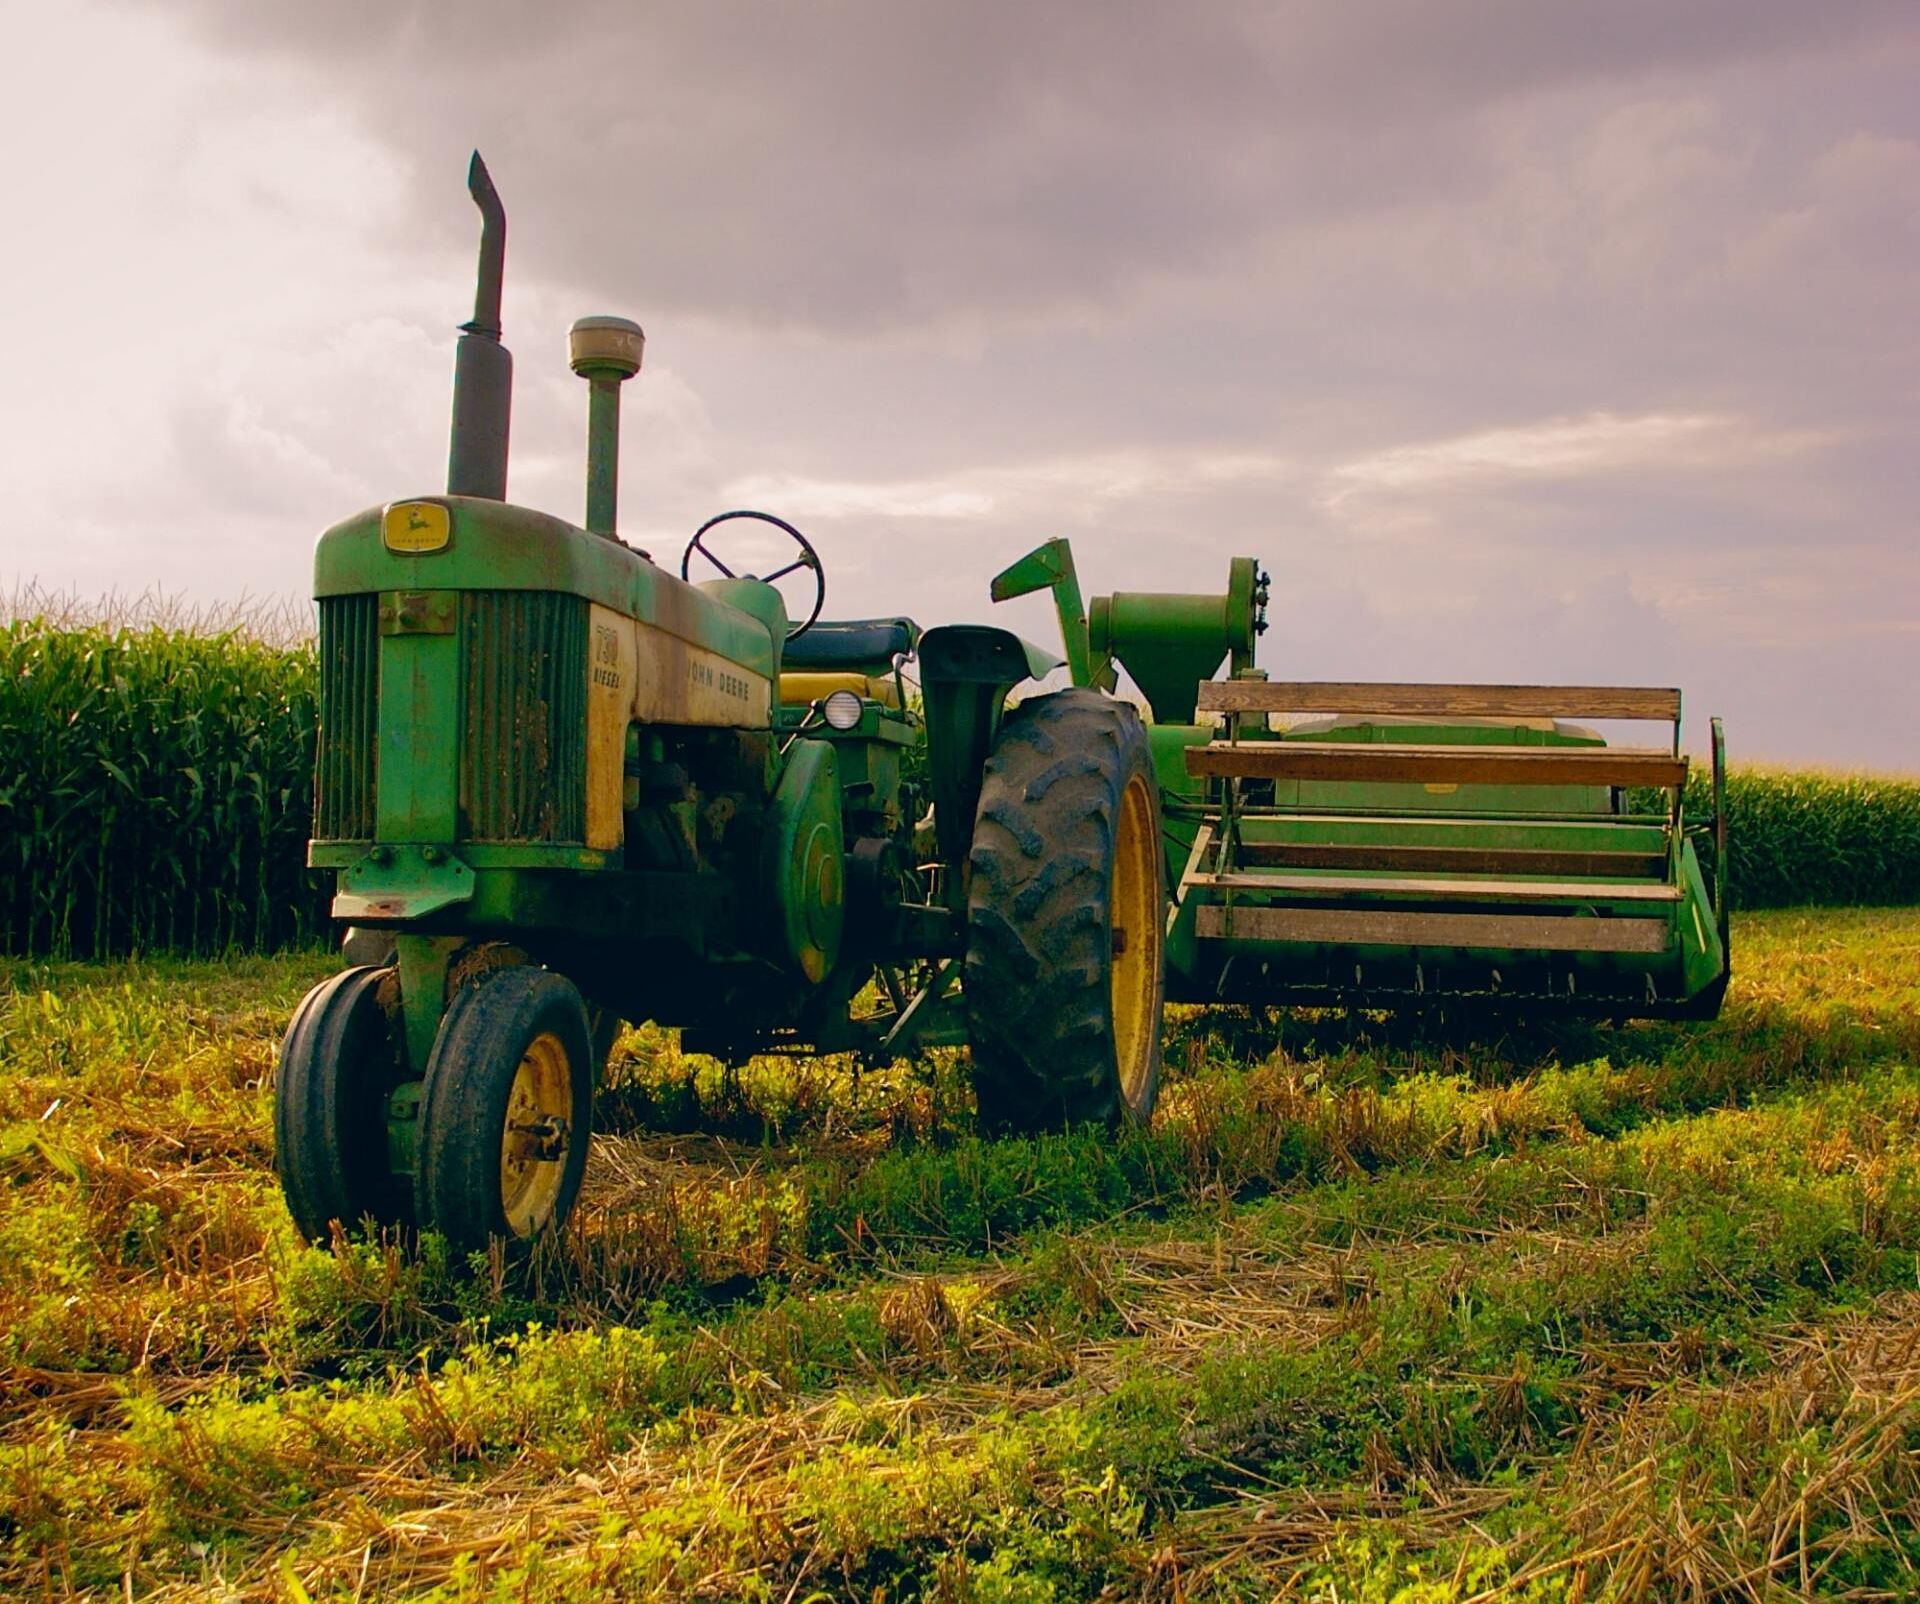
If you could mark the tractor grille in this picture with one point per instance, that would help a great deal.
(349, 675)
(524, 744)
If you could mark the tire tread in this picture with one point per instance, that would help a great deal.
(1035, 972)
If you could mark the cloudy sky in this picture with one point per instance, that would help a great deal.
(1520, 341)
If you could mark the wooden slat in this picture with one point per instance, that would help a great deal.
(1588, 824)
(1451, 860)
(1477, 890)
(1430, 701)
(1357, 927)
(1202, 844)
(1440, 765)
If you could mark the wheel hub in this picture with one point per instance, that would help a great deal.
(536, 1135)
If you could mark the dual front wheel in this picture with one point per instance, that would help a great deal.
(503, 1118)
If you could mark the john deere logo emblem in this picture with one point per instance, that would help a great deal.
(415, 526)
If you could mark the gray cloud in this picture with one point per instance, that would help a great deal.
(863, 166)
(1520, 340)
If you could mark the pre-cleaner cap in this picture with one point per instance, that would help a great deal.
(606, 344)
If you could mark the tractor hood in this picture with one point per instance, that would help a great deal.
(470, 543)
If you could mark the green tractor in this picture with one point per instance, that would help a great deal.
(1447, 850)
(561, 786)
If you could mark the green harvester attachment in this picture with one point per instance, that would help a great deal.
(1405, 846)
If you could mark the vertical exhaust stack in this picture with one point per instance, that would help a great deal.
(482, 366)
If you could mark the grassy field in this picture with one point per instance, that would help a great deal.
(1579, 1314)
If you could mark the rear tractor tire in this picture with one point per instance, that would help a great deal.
(337, 1065)
(1066, 918)
(506, 1111)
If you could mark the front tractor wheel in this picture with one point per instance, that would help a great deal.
(337, 1066)
(1066, 918)
(505, 1111)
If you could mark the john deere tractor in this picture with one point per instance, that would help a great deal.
(561, 785)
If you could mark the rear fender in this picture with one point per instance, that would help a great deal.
(966, 673)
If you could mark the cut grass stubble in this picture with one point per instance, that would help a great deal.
(1354, 1311)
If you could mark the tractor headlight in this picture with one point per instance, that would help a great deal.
(841, 710)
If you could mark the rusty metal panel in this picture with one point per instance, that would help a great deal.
(680, 683)
(524, 723)
(419, 612)
(610, 689)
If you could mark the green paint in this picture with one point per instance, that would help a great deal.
(1404, 797)
(418, 794)
(1169, 743)
(603, 451)
(1168, 643)
(495, 546)
(1050, 567)
(966, 672)
(423, 963)
(393, 883)
(1506, 832)
(804, 859)
(403, 1127)
(757, 600)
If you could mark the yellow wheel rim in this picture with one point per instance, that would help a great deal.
(1134, 976)
(537, 1136)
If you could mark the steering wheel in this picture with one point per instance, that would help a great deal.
(808, 559)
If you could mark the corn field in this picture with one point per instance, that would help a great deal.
(155, 789)
(1810, 838)
(156, 782)
(1832, 839)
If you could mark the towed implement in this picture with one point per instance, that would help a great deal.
(1406, 847)
(561, 786)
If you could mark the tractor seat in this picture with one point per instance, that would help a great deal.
(855, 643)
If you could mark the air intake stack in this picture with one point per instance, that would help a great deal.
(606, 352)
